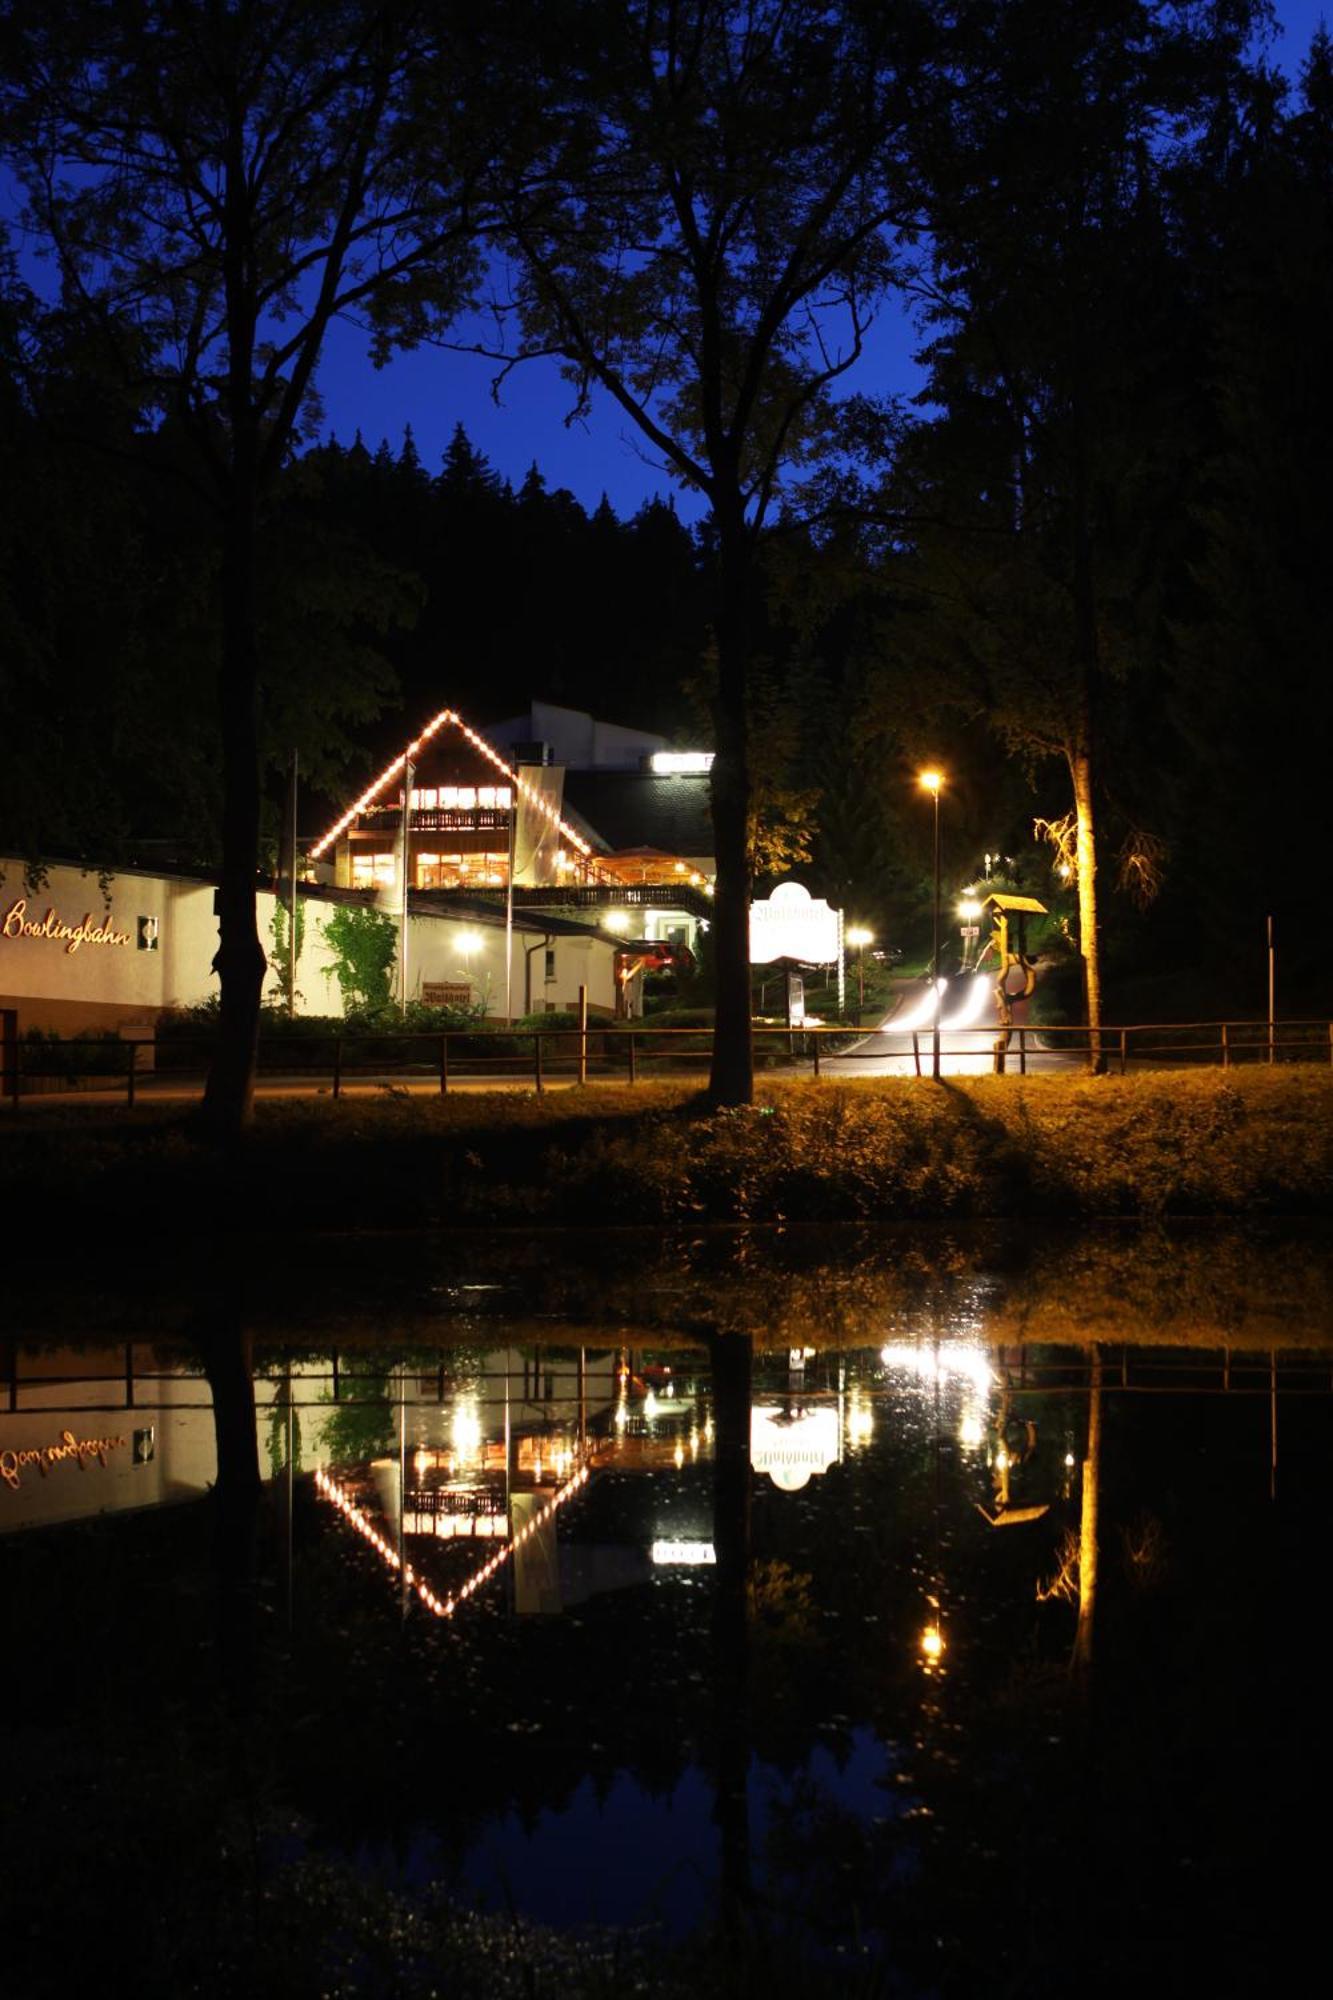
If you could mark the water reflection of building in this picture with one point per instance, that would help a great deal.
(102, 1430)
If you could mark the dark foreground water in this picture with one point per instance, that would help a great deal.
(899, 1615)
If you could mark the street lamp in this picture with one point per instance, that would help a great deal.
(931, 781)
(860, 938)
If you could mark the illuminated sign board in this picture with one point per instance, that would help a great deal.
(793, 924)
(793, 1447)
(18, 924)
(684, 1552)
(681, 763)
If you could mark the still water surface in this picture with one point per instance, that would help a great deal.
(899, 1604)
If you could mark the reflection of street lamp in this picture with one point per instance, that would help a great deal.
(932, 1647)
(860, 938)
(931, 781)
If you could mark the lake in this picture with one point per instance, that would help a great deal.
(909, 1612)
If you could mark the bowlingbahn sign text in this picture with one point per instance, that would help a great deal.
(18, 924)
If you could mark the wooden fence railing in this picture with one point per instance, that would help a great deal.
(629, 1053)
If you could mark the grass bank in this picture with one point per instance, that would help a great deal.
(1249, 1143)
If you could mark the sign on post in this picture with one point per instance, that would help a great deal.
(793, 924)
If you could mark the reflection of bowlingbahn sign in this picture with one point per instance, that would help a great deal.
(13, 1464)
(18, 924)
(793, 924)
(793, 1448)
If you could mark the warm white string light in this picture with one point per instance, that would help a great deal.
(443, 1607)
(479, 743)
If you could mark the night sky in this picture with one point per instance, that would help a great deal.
(433, 390)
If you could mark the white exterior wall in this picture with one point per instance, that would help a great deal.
(92, 985)
(118, 985)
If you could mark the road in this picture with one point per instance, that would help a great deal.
(968, 1028)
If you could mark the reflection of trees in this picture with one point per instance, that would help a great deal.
(361, 1428)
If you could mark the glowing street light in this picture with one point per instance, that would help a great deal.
(860, 937)
(616, 920)
(931, 781)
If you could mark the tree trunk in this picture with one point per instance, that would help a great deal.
(731, 1361)
(240, 962)
(732, 1077)
(225, 1348)
(1080, 771)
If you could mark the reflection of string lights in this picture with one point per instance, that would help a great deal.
(443, 1607)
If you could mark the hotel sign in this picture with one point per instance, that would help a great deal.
(793, 1448)
(18, 924)
(793, 924)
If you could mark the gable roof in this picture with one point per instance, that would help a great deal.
(448, 718)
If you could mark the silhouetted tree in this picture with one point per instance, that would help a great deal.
(218, 183)
(699, 219)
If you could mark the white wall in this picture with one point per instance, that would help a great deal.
(117, 985)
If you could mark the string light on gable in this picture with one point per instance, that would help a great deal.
(386, 777)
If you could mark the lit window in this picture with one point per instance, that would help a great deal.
(467, 798)
(448, 798)
(372, 871)
(486, 796)
(550, 964)
(504, 798)
(427, 797)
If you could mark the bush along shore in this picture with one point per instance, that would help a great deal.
(1251, 1143)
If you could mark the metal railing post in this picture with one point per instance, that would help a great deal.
(537, 1058)
(1226, 1048)
(583, 1034)
(1124, 1050)
(1022, 1051)
(814, 1046)
(634, 1062)
(916, 1051)
(337, 1065)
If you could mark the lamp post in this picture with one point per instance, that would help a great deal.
(931, 781)
(860, 938)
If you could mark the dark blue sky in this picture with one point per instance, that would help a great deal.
(433, 390)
